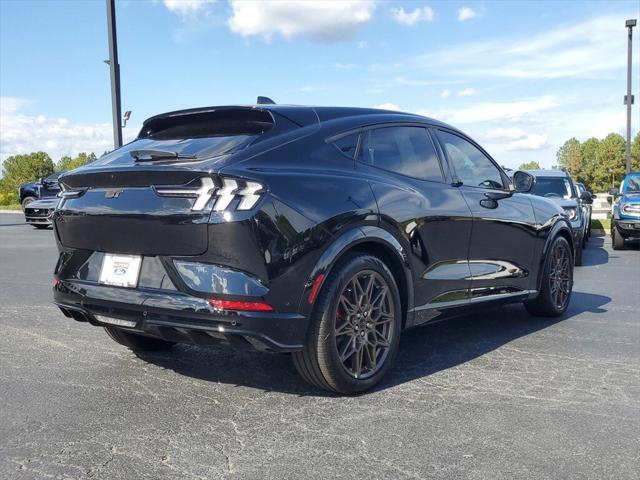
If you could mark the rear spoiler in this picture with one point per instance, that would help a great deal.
(235, 119)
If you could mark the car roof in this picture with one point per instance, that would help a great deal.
(548, 173)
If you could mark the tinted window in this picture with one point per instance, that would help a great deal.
(471, 165)
(348, 144)
(405, 150)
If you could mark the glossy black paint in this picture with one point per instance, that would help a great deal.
(449, 246)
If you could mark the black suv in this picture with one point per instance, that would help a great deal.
(318, 231)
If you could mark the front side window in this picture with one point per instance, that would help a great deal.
(405, 150)
(472, 167)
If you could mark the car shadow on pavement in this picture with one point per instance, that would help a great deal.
(595, 253)
(423, 350)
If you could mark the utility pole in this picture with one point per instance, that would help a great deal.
(114, 68)
(628, 99)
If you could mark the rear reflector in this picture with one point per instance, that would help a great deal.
(241, 305)
(315, 288)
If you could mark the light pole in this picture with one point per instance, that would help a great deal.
(628, 99)
(114, 68)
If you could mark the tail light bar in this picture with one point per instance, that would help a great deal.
(203, 190)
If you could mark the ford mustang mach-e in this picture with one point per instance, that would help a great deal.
(324, 232)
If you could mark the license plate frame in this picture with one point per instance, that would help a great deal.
(120, 270)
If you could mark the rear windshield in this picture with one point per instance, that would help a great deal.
(202, 135)
(552, 187)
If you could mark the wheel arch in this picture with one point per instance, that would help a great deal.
(371, 240)
(560, 228)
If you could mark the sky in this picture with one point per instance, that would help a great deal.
(519, 77)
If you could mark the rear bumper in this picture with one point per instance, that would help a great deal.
(178, 317)
(628, 228)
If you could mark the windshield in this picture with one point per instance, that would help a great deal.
(552, 187)
(633, 184)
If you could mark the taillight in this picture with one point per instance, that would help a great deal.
(239, 305)
(248, 193)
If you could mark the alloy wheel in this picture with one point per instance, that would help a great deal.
(364, 324)
(560, 276)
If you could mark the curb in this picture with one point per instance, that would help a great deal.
(12, 211)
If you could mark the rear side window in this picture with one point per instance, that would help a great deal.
(347, 144)
(405, 150)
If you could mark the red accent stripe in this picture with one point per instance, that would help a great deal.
(315, 288)
(241, 305)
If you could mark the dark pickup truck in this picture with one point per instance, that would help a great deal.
(44, 188)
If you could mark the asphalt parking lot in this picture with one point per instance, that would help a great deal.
(493, 396)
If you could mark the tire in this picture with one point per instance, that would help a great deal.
(26, 201)
(547, 303)
(136, 342)
(325, 361)
(617, 240)
(578, 254)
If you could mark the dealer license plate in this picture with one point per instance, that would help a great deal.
(120, 270)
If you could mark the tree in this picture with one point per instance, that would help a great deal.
(609, 163)
(635, 153)
(570, 157)
(67, 163)
(532, 165)
(589, 161)
(19, 169)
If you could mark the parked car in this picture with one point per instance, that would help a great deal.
(558, 187)
(38, 213)
(586, 199)
(320, 231)
(44, 188)
(625, 222)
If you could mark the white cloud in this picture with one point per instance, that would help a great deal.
(324, 21)
(420, 14)
(532, 141)
(467, 92)
(362, 44)
(21, 133)
(583, 49)
(487, 111)
(465, 13)
(501, 134)
(388, 106)
(188, 8)
(445, 93)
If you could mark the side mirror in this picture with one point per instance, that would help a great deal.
(614, 192)
(586, 197)
(523, 182)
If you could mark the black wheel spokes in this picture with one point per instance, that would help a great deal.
(560, 276)
(364, 324)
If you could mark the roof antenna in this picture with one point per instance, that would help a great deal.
(265, 101)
